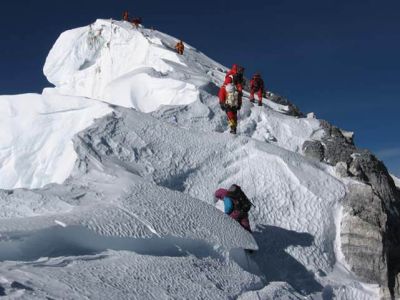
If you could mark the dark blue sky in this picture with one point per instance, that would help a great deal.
(337, 58)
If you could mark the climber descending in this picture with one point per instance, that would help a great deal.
(180, 47)
(230, 102)
(256, 86)
(236, 204)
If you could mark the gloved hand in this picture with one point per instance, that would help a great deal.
(223, 107)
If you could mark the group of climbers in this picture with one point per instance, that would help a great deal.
(236, 203)
(231, 93)
(134, 21)
(179, 47)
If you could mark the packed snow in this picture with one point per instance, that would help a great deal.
(108, 182)
(36, 137)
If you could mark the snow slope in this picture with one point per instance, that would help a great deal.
(122, 204)
(36, 137)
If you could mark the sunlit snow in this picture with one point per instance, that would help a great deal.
(107, 183)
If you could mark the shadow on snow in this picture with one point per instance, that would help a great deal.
(277, 265)
(79, 241)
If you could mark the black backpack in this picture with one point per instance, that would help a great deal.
(241, 202)
(257, 83)
(240, 75)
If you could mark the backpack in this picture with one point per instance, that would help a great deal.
(240, 200)
(257, 83)
(232, 96)
(239, 75)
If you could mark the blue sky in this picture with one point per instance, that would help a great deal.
(339, 59)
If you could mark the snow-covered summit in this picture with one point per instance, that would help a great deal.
(110, 61)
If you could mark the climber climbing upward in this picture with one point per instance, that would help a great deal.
(257, 86)
(180, 47)
(236, 204)
(236, 74)
(230, 102)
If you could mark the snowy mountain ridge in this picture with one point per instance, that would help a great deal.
(109, 61)
(111, 173)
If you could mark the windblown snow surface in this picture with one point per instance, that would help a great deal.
(108, 182)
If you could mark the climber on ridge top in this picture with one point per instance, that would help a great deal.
(125, 16)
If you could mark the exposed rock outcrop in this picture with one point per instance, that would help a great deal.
(314, 149)
(371, 223)
(338, 147)
(293, 110)
(362, 233)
